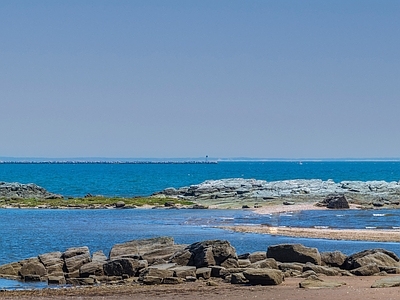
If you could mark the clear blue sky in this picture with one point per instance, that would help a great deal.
(265, 79)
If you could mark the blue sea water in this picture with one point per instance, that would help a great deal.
(28, 232)
(144, 179)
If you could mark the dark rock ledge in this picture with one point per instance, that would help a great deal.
(161, 261)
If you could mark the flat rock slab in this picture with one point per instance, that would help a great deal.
(387, 282)
(316, 283)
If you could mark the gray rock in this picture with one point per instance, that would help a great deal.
(321, 269)
(80, 281)
(294, 253)
(257, 256)
(75, 258)
(92, 268)
(172, 280)
(138, 248)
(333, 259)
(204, 273)
(269, 263)
(184, 271)
(211, 253)
(58, 280)
(152, 280)
(263, 276)
(25, 191)
(367, 270)
(238, 278)
(371, 256)
(31, 269)
(121, 266)
(314, 282)
(291, 266)
(335, 202)
(392, 281)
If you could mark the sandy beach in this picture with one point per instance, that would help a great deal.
(354, 288)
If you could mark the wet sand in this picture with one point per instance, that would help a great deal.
(378, 235)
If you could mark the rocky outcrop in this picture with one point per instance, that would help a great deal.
(380, 257)
(359, 192)
(294, 253)
(207, 260)
(16, 190)
(148, 249)
(208, 253)
(335, 202)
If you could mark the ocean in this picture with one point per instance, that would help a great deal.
(28, 232)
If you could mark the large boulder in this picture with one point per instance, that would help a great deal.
(75, 258)
(208, 253)
(333, 258)
(160, 248)
(122, 266)
(263, 276)
(33, 269)
(335, 201)
(53, 262)
(380, 257)
(10, 270)
(294, 253)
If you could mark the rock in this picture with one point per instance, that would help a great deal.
(243, 263)
(92, 268)
(10, 270)
(75, 258)
(238, 278)
(162, 271)
(294, 253)
(291, 266)
(387, 282)
(184, 271)
(321, 269)
(333, 259)
(263, 276)
(121, 266)
(152, 280)
(53, 262)
(99, 256)
(140, 248)
(314, 282)
(172, 280)
(25, 191)
(367, 270)
(379, 256)
(31, 269)
(204, 273)
(181, 257)
(335, 202)
(269, 263)
(120, 204)
(56, 280)
(257, 256)
(211, 253)
(80, 281)
(216, 271)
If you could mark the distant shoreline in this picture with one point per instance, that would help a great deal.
(108, 162)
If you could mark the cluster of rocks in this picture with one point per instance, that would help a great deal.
(161, 261)
(378, 193)
(16, 191)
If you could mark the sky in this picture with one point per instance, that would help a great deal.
(223, 78)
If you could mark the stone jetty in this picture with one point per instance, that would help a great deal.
(374, 193)
(161, 261)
